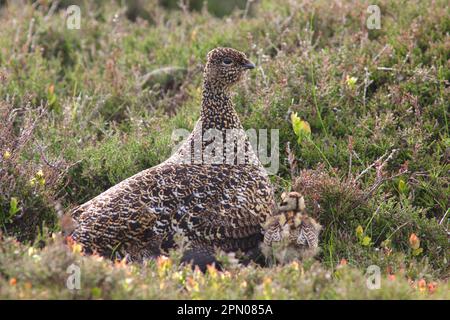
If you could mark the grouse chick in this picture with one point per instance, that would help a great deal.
(291, 234)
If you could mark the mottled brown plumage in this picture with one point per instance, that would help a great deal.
(209, 205)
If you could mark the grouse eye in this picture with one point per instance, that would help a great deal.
(227, 61)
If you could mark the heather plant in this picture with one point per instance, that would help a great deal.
(29, 181)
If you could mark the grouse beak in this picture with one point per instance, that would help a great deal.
(249, 65)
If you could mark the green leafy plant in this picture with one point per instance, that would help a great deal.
(364, 240)
(11, 213)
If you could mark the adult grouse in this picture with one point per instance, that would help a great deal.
(213, 192)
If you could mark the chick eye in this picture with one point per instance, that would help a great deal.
(227, 61)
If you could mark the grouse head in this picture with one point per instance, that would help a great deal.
(225, 67)
(291, 234)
